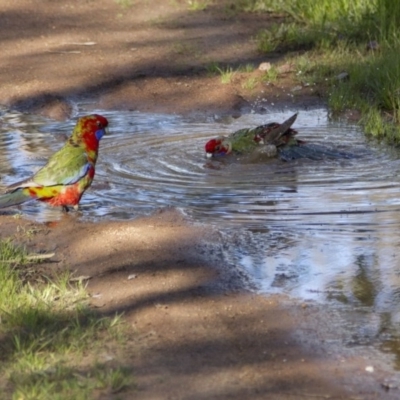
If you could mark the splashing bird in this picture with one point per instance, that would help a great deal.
(269, 140)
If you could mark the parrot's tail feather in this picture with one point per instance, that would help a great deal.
(14, 198)
(276, 133)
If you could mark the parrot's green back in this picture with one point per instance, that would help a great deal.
(68, 173)
(65, 166)
(246, 140)
(243, 140)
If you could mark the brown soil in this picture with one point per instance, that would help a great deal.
(195, 335)
(151, 56)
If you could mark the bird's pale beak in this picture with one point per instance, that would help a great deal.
(209, 155)
(106, 131)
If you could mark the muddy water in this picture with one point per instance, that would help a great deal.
(321, 230)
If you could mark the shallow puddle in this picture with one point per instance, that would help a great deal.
(322, 230)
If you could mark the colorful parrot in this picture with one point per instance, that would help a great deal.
(246, 140)
(68, 173)
(268, 140)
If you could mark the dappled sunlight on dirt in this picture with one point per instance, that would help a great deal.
(191, 335)
(195, 332)
(142, 57)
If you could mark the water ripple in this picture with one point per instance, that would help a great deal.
(309, 228)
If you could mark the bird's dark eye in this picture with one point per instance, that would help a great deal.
(99, 124)
(217, 148)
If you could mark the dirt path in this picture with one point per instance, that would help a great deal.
(152, 56)
(193, 334)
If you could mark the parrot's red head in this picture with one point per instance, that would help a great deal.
(218, 147)
(94, 125)
(89, 130)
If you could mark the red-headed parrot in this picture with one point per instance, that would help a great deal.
(243, 141)
(68, 173)
(270, 140)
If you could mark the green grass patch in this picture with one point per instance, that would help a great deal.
(292, 36)
(250, 83)
(226, 73)
(213, 68)
(52, 346)
(374, 88)
(329, 40)
(354, 78)
(318, 25)
(246, 68)
(198, 5)
(271, 75)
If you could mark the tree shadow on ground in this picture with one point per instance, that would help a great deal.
(65, 52)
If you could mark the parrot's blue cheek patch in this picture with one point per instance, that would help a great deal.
(100, 133)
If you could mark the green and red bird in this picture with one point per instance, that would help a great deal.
(270, 140)
(272, 136)
(68, 173)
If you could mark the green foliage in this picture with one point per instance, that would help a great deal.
(333, 35)
(373, 88)
(198, 5)
(213, 68)
(271, 75)
(388, 19)
(46, 331)
(250, 83)
(227, 74)
(292, 36)
(247, 68)
(319, 24)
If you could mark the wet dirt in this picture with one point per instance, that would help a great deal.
(194, 333)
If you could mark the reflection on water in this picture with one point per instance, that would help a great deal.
(321, 230)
